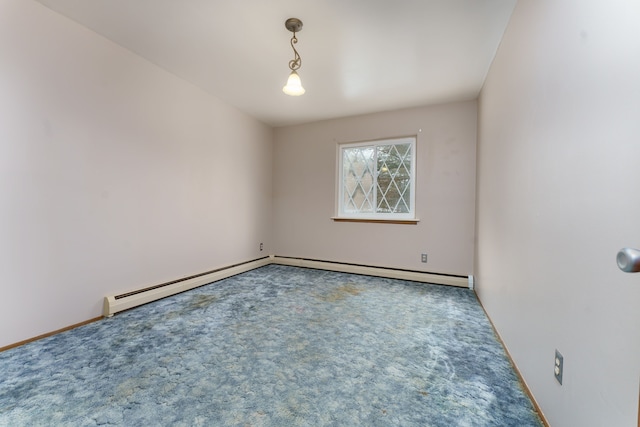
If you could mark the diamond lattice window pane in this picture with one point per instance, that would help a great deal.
(393, 163)
(358, 177)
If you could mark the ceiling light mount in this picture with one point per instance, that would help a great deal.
(294, 85)
(294, 25)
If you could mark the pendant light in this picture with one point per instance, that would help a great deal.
(294, 85)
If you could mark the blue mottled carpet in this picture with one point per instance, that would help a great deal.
(277, 346)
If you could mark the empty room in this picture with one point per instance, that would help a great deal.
(307, 213)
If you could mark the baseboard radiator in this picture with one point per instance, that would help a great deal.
(391, 273)
(117, 303)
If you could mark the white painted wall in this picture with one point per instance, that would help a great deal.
(305, 159)
(558, 180)
(114, 174)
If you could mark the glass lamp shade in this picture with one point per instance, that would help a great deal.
(294, 85)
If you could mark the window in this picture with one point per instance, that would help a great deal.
(377, 180)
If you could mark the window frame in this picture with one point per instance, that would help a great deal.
(400, 218)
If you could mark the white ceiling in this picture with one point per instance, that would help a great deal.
(358, 56)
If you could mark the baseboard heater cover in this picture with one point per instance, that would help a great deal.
(391, 273)
(116, 303)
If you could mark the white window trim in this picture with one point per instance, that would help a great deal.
(410, 217)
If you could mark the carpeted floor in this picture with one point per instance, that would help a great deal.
(277, 346)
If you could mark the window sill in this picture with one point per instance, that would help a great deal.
(380, 221)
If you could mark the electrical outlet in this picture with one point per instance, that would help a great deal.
(261, 246)
(424, 258)
(557, 370)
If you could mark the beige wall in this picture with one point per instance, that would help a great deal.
(558, 180)
(305, 159)
(113, 174)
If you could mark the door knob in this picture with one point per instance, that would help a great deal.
(629, 260)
